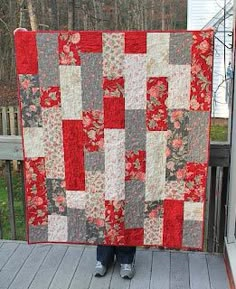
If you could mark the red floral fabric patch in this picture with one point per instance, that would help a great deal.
(113, 87)
(114, 223)
(69, 48)
(201, 71)
(135, 165)
(37, 203)
(157, 93)
(93, 125)
(195, 182)
(50, 97)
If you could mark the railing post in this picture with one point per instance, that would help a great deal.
(1, 231)
(23, 188)
(10, 200)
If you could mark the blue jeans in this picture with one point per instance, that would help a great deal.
(124, 255)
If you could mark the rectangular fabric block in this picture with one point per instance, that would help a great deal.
(115, 129)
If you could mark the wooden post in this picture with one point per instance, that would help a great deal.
(1, 231)
(23, 187)
(4, 121)
(18, 121)
(10, 200)
(208, 192)
(12, 130)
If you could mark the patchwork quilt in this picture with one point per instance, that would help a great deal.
(115, 130)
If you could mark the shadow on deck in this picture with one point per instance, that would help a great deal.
(71, 267)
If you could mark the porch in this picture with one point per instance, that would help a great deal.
(71, 267)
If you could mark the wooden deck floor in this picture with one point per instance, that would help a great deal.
(25, 266)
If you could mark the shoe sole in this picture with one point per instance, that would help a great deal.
(99, 275)
(127, 276)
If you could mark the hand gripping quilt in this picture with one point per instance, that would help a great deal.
(115, 129)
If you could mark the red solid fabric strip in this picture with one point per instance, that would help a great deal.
(26, 53)
(134, 237)
(90, 41)
(135, 42)
(114, 112)
(173, 223)
(73, 136)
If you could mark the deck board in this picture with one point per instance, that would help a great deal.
(143, 270)
(6, 251)
(15, 262)
(160, 278)
(179, 271)
(198, 271)
(67, 268)
(104, 282)
(116, 281)
(217, 272)
(48, 266)
(84, 272)
(30, 268)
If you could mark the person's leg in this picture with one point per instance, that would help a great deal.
(105, 254)
(125, 255)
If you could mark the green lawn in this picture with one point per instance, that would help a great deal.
(18, 205)
(219, 133)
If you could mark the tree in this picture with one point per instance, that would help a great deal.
(71, 14)
(53, 14)
(32, 15)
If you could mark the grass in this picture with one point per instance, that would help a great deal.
(18, 206)
(219, 133)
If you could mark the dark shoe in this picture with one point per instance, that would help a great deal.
(100, 270)
(127, 271)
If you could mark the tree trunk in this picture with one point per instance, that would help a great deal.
(95, 15)
(163, 15)
(53, 14)
(44, 17)
(145, 14)
(12, 26)
(71, 14)
(116, 14)
(85, 17)
(32, 15)
(23, 17)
